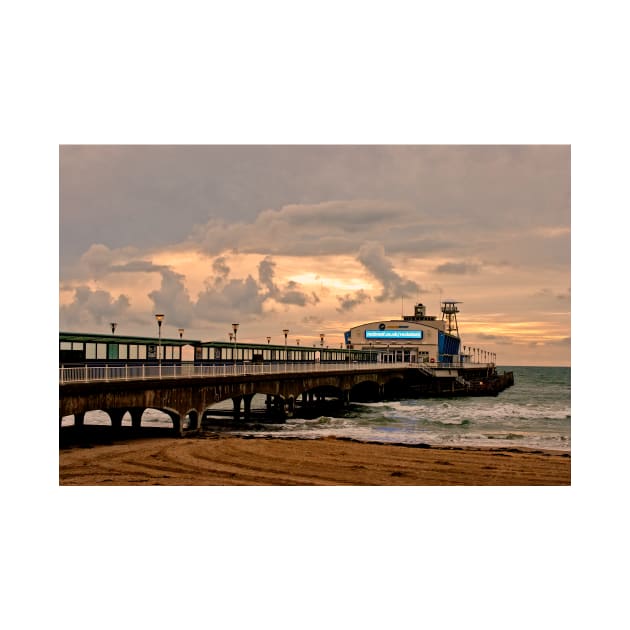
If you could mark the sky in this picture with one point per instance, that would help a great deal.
(317, 239)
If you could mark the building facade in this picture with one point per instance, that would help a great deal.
(417, 338)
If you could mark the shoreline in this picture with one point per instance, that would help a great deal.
(213, 459)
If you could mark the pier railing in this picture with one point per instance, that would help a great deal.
(128, 372)
(141, 372)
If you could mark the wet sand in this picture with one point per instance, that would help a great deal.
(216, 460)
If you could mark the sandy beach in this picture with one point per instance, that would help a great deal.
(213, 459)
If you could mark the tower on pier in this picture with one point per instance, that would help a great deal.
(449, 315)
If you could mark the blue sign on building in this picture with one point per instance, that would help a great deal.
(393, 334)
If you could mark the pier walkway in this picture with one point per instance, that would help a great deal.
(186, 392)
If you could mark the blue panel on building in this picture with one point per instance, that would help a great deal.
(448, 346)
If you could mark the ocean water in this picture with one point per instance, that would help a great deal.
(534, 413)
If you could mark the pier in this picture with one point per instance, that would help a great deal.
(186, 393)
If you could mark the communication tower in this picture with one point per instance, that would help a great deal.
(449, 315)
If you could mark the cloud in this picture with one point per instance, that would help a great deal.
(229, 298)
(93, 306)
(348, 301)
(221, 270)
(172, 297)
(332, 227)
(233, 300)
(548, 293)
(457, 268)
(372, 257)
(289, 294)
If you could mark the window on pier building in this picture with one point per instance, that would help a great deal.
(122, 351)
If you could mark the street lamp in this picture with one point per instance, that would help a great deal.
(321, 339)
(297, 341)
(268, 339)
(286, 332)
(113, 325)
(181, 332)
(159, 317)
(234, 328)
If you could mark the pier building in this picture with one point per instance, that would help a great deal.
(417, 338)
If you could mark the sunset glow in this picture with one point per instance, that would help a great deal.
(328, 248)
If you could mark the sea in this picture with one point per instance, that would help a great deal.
(534, 413)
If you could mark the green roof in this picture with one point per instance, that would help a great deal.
(104, 338)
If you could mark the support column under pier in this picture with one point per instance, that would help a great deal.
(136, 417)
(247, 405)
(278, 409)
(178, 422)
(116, 416)
(290, 406)
(236, 401)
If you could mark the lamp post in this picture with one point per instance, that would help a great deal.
(268, 339)
(159, 318)
(113, 325)
(321, 339)
(181, 332)
(286, 332)
(234, 328)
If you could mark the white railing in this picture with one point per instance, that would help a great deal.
(142, 372)
(131, 372)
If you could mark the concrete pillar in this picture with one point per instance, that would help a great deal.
(116, 416)
(136, 417)
(279, 409)
(236, 401)
(195, 420)
(247, 404)
(178, 427)
(290, 406)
